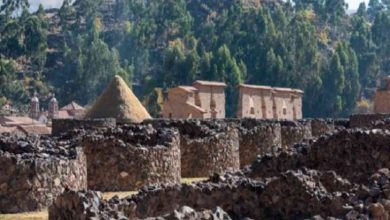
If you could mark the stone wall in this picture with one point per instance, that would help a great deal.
(207, 146)
(128, 157)
(36, 170)
(294, 132)
(366, 120)
(257, 138)
(286, 196)
(353, 154)
(321, 127)
(342, 181)
(64, 125)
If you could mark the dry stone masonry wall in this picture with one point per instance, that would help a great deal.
(295, 132)
(36, 170)
(366, 120)
(342, 181)
(257, 138)
(350, 153)
(321, 127)
(60, 126)
(207, 146)
(128, 157)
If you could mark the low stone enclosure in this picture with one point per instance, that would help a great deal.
(34, 171)
(206, 147)
(344, 175)
(127, 157)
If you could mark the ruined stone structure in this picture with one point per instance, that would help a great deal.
(203, 100)
(36, 170)
(350, 153)
(206, 146)
(381, 100)
(258, 138)
(128, 157)
(366, 120)
(294, 132)
(348, 178)
(210, 150)
(322, 126)
(60, 126)
(263, 102)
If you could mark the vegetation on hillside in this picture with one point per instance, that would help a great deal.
(313, 45)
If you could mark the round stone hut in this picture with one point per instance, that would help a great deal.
(128, 157)
(36, 170)
(258, 137)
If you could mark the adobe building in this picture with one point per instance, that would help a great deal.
(205, 99)
(382, 99)
(264, 102)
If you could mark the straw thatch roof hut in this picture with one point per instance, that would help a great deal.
(118, 101)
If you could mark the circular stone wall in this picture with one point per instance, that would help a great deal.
(129, 157)
(208, 147)
(34, 172)
(257, 138)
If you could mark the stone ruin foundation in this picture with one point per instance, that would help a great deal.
(257, 138)
(36, 170)
(127, 157)
(344, 175)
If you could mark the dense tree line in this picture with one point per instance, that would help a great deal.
(314, 45)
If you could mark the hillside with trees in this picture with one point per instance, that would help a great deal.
(315, 45)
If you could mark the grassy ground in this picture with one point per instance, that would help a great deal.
(44, 215)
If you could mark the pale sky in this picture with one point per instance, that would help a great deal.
(353, 4)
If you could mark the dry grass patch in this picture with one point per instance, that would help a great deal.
(43, 215)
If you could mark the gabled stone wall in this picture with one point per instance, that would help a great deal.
(36, 170)
(128, 157)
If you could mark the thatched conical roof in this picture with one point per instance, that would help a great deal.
(118, 101)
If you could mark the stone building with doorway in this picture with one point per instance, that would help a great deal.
(382, 98)
(264, 102)
(202, 100)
